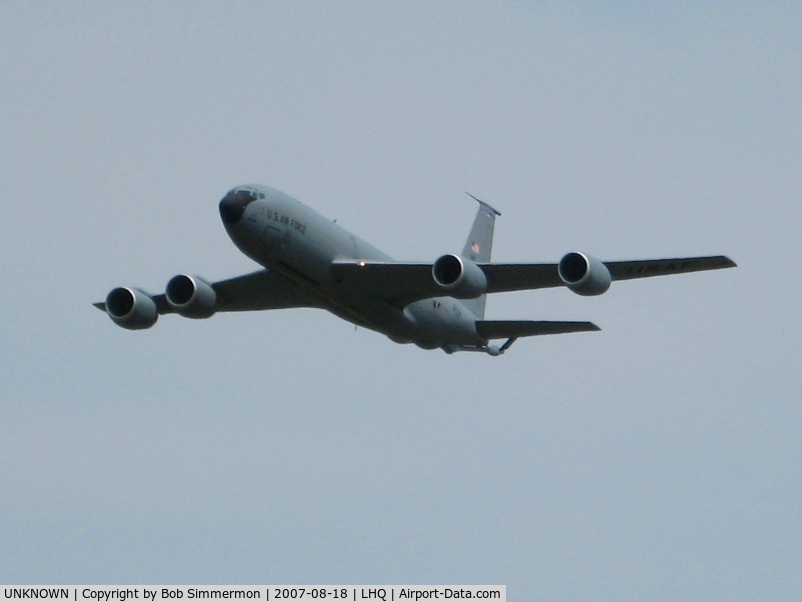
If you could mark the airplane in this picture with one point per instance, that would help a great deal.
(311, 261)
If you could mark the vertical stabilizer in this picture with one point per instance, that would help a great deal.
(478, 247)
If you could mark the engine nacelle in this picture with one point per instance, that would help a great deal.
(460, 277)
(191, 296)
(131, 308)
(583, 274)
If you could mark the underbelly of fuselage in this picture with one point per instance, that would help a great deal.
(304, 257)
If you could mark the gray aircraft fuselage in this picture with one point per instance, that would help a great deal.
(289, 238)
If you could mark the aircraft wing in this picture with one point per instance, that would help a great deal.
(255, 291)
(401, 283)
(260, 290)
(397, 283)
(626, 270)
(502, 277)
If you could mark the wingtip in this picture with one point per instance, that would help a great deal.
(100, 306)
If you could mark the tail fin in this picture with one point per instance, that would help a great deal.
(478, 247)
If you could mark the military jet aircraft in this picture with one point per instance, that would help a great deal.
(311, 261)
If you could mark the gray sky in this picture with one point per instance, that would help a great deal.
(658, 459)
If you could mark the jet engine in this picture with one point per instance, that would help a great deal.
(131, 308)
(460, 277)
(191, 296)
(583, 274)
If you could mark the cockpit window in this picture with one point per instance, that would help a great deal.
(245, 192)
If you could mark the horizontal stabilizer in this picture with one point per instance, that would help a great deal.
(511, 329)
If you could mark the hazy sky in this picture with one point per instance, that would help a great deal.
(658, 459)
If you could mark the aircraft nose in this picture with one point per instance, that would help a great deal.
(233, 206)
